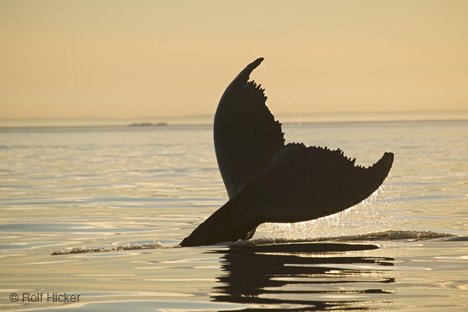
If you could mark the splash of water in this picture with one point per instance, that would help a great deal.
(374, 214)
(79, 250)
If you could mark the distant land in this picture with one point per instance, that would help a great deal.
(207, 119)
(148, 124)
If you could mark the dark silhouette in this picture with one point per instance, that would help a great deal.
(148, 124)
(303, 277)
(268, 181)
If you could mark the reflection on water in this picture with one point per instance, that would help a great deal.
(304, 277)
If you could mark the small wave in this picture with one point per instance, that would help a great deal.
(377, 236)
(79, 250)
(397, 235)
(457, 239)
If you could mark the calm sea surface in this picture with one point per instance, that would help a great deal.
(131, 194)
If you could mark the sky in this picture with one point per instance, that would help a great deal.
(90, 60)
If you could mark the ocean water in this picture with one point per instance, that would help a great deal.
(99, 211)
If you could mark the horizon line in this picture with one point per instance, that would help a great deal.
(210, 124)
(209, 115)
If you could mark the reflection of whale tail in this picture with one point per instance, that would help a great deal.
(306, 276)
(268, 181)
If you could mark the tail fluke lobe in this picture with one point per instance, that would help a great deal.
(304, 183)
(246, 134)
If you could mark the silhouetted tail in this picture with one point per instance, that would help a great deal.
(268, 181)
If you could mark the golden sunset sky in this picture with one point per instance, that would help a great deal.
(138, 59)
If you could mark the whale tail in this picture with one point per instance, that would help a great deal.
(268, 181)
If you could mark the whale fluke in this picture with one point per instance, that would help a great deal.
(268, 181)
(246, 135)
